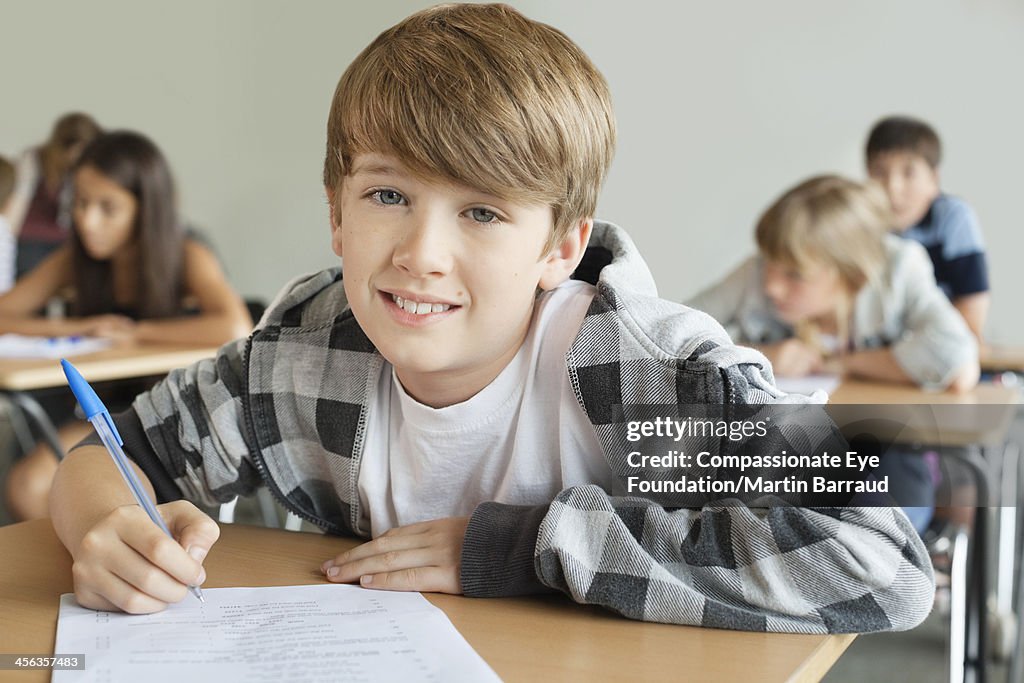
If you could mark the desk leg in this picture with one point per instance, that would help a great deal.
(1016, 666)
(1004, 613)
(974, 640)
(1009, 467)
(959, 580)
(31, 409)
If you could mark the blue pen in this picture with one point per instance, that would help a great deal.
(96, 413)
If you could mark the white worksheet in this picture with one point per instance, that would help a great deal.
(809, 384)
(287, 634)
(22, 346)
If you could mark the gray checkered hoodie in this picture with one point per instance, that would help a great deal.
(287, 408)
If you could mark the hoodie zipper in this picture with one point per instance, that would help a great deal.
(257, 455)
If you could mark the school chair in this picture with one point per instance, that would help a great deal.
(268, 511)
(984, 624)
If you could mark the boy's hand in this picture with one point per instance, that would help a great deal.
(418, 557)
(126, 562)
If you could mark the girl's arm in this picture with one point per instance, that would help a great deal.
(20, 306)
(222, 313)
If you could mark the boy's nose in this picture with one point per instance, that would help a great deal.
(425, 249)
(893, 186)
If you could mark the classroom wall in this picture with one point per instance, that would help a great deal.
(720, 107)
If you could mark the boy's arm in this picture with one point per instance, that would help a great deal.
(966, 265)
(185, 437)
(974, 309)
(782, 568)
(188, 432)
(775, 569)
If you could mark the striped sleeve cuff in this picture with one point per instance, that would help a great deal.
(498, 550)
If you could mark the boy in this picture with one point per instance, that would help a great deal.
(903, 154)
(431, 399)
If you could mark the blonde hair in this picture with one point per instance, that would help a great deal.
(481, 96)
(832, 222)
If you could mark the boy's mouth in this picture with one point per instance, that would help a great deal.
(419, 307)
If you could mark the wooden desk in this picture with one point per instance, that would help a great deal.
(523, 639)
(980, 417)
(19, 374)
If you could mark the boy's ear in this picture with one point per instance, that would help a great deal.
(562, 260)
(335, 224)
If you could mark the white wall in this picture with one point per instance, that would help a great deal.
(720, 106)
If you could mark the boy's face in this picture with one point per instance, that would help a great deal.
(909, 180)
(440, 277)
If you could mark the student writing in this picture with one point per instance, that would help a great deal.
(831, 290)
(131, 270)
(446, 394)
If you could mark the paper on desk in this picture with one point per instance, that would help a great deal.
(809, 384)
(21, 346)
(288, 633)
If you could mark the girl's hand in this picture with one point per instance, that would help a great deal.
(417, 557)
(118, 328)
(127, 563)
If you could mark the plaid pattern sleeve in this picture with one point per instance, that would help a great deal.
(193, 422)
(724, 565)
(284, 408)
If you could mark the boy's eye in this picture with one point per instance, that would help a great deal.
(388, 197)
(483, 215)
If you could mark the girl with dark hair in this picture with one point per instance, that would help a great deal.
(131, 274)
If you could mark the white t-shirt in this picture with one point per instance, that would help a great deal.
(520, 440)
